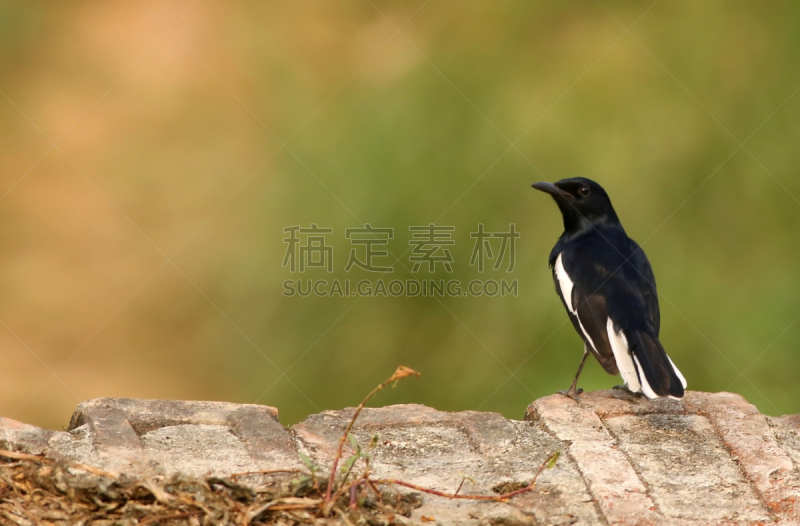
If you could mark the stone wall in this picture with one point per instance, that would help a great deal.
(707, 459)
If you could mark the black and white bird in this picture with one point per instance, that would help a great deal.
(607, 286)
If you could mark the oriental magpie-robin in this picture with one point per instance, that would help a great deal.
(607, 286)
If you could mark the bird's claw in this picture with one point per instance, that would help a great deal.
(572, 393)
(626, 390)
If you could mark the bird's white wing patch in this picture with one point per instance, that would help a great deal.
(677, 372)
(622, 355)
(565, 284)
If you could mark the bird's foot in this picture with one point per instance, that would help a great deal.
(626, 389)
(572, 393)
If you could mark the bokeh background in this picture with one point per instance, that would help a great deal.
(153, 152)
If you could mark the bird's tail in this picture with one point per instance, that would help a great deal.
(657, 374)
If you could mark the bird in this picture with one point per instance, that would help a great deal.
(608, 289)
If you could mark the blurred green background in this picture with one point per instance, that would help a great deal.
(141, 255)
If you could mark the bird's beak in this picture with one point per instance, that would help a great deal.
(552, 189)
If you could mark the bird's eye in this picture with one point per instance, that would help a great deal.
(584, 191)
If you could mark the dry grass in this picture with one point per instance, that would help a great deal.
(36, 490)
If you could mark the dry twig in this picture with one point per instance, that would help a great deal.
(400, 373)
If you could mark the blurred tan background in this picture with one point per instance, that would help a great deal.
(144, 189)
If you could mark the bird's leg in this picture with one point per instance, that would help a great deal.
(573, 391)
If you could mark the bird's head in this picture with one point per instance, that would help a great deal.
(582, 202)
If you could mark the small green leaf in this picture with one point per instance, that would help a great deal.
(349, 463)
(354, 443)
(553, 459)
(307, 461)
(301, 480)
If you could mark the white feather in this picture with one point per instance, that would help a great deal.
(622, 355)
(677, 372)
(646, 389)
(566, 285)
